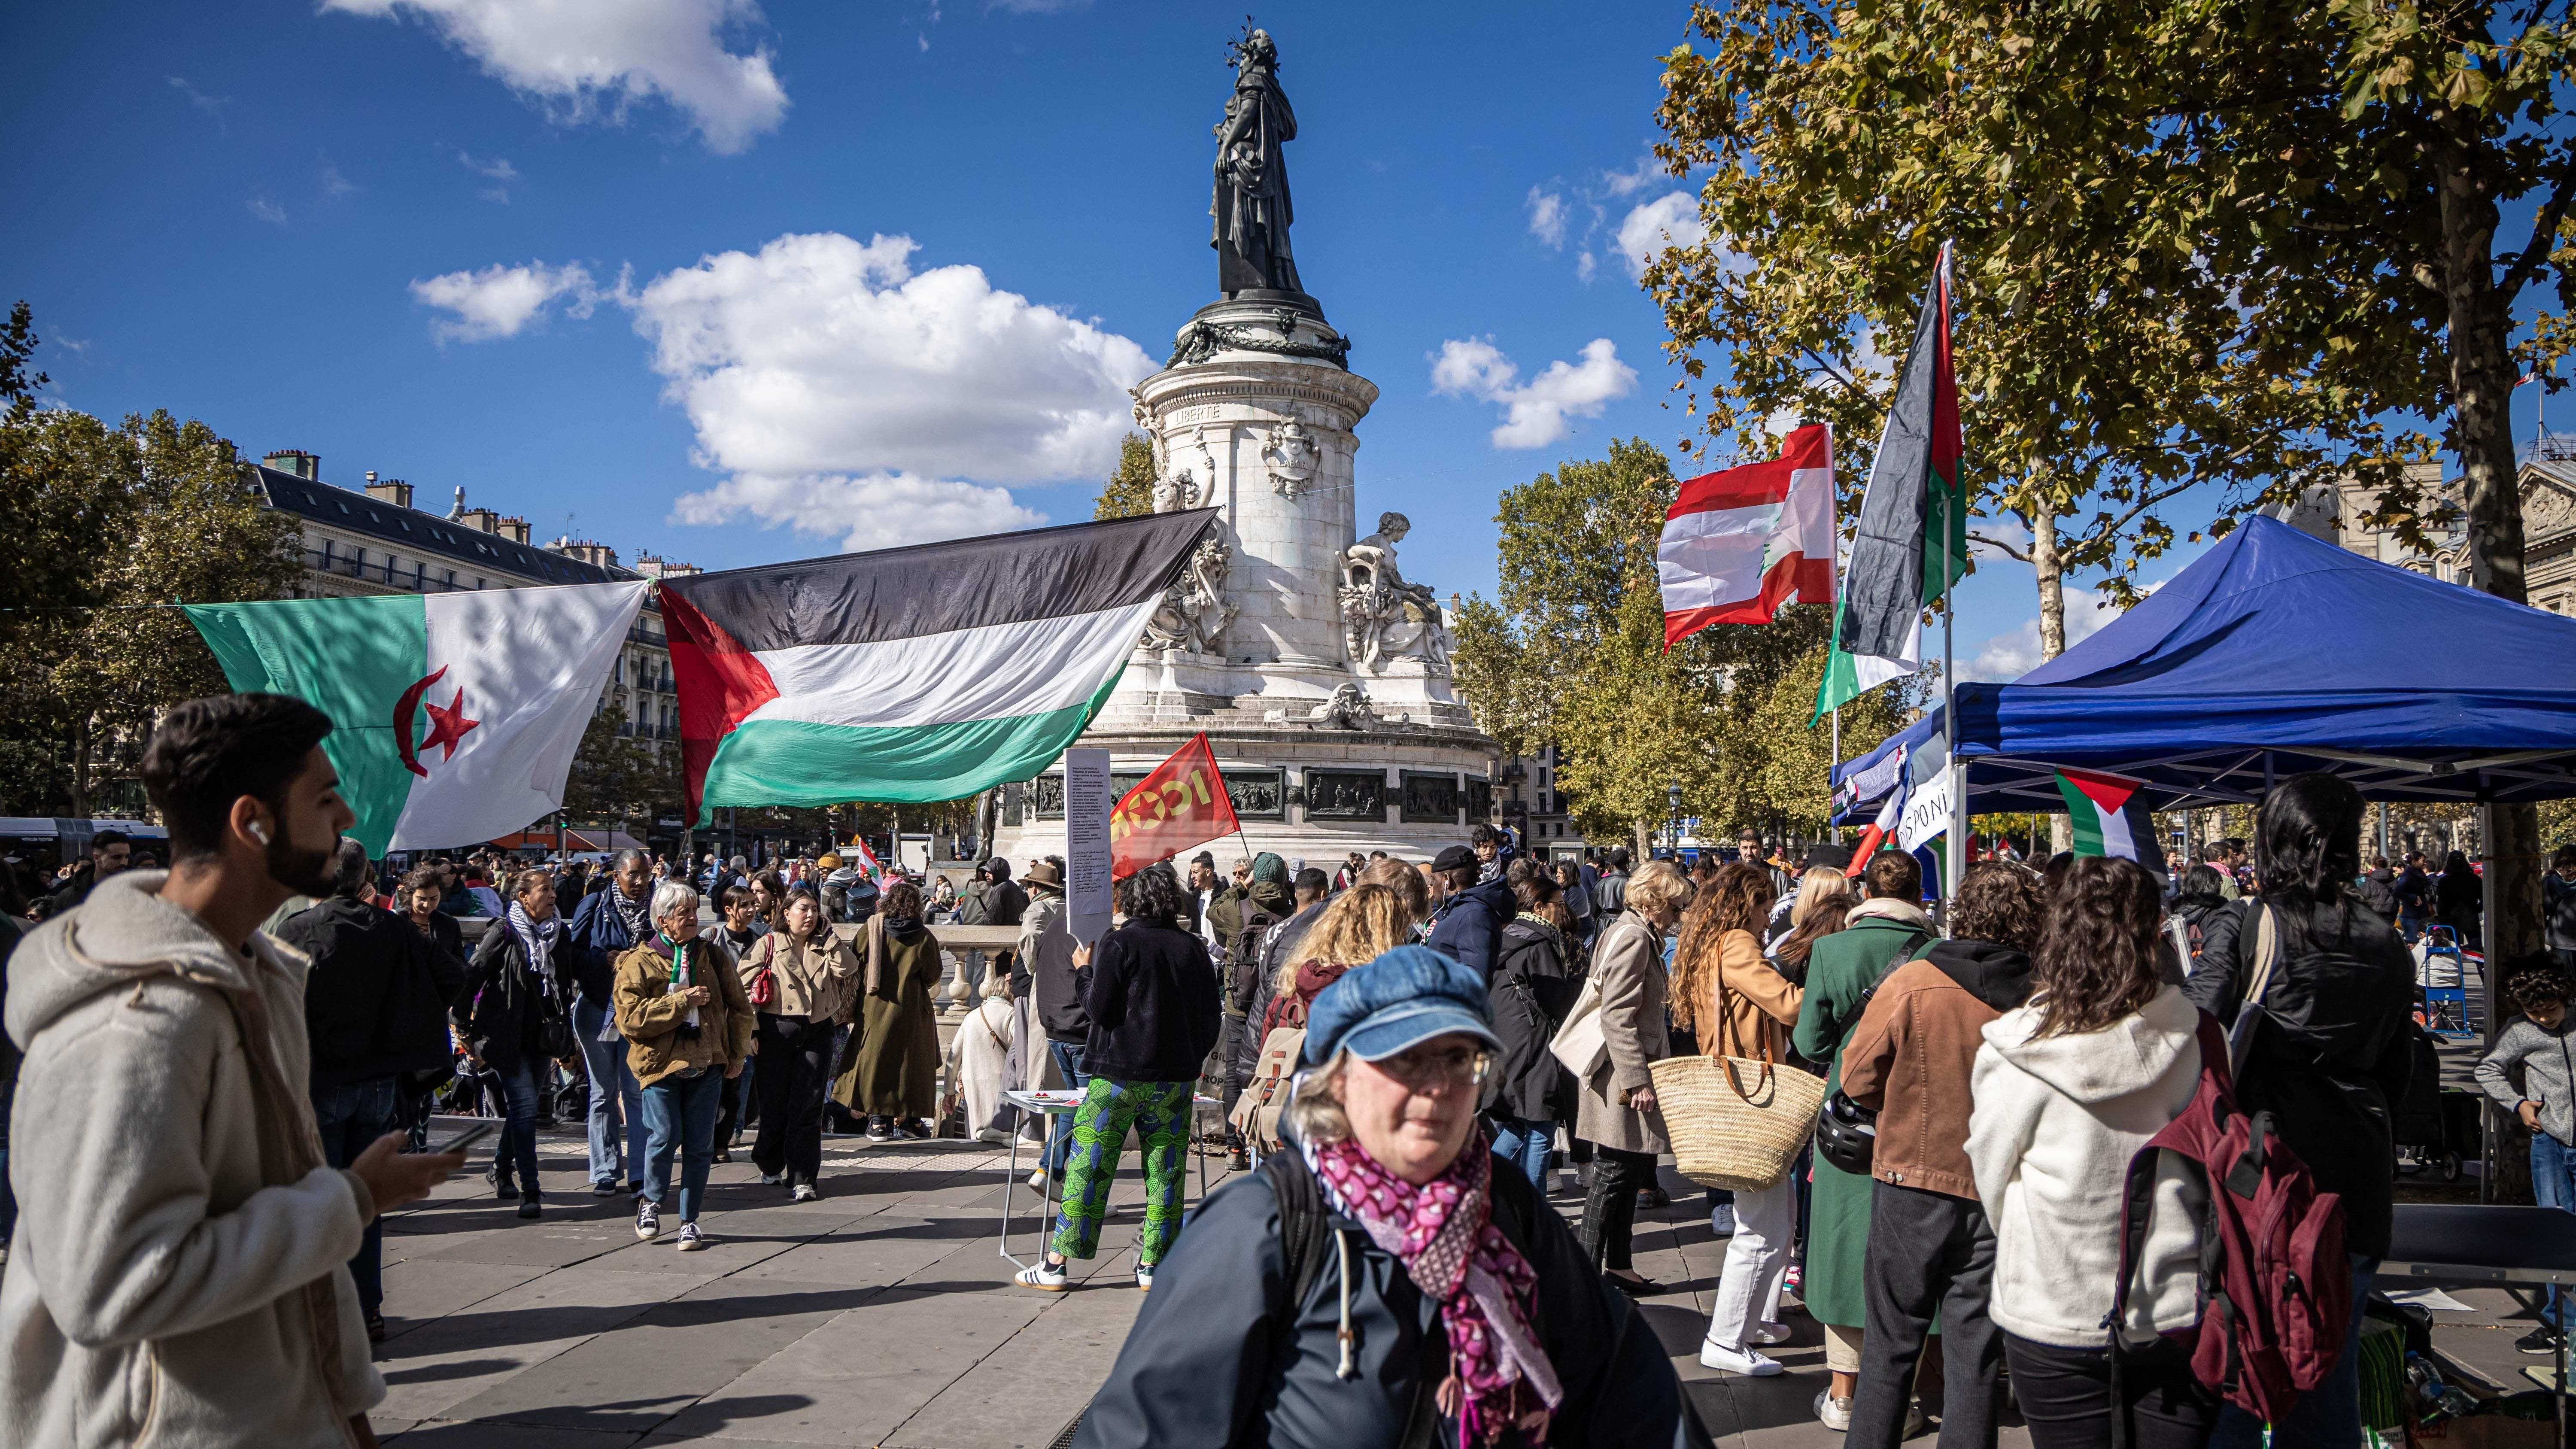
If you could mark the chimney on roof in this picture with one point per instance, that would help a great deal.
(457, 514)
(391, 490)
(304, 465)
(654, 567)
(482, 520)
(515, 529)
(597, 555)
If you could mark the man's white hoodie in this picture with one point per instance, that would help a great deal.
(2056, 1120)
(151, 1296)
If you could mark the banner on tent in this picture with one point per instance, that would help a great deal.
(1927, 813)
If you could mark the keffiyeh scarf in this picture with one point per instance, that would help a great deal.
(1443, 1233)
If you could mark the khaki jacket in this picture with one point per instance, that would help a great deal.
(649, 1016)
(817, 980)
(1760, 1004)
(1912, 1057)
(1628, 971)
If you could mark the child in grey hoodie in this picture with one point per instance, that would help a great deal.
(2537, 1042)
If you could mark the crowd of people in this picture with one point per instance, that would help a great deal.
(230, 1068)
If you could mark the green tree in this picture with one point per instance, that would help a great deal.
(179, 525)
(617, 777)
(1129, 493)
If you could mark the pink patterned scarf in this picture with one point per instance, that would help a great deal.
(1443, 1233)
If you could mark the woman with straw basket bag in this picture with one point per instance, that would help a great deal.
(1739, 1115)
(1611, 1038)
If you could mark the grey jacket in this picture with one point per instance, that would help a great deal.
(152, 1292)
(2548, 1062)
(1628, 970)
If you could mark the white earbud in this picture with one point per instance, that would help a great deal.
(259, 832)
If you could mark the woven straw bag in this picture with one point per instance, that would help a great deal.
(1735, 1122)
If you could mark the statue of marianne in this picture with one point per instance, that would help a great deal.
(1251, 205)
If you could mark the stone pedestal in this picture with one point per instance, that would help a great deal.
(1256, 415)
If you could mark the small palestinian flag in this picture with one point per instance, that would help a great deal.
(2110, 817)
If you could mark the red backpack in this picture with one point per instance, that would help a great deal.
(2275, 1286)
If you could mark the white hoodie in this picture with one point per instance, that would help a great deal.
(2057, 1119)
(151, 1296)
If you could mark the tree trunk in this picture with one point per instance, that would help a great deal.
(80, 767)
(2052, 585)
(2482, 378)
(1645, 842)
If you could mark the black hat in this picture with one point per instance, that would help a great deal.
(1454, 857)
(1837, 857)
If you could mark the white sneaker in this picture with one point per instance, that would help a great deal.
(1743, 1361)
(1721, 1220)
(1833, 1413)
(771, 1179)
(1044, 1276)
(804, 1193)
(691, 1240)
(1144, 1277)
(1770, 1333)
(1037, 1179)
(648, 1220)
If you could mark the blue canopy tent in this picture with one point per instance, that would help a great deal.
(2276, 653)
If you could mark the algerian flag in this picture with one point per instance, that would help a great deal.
(2109, 817)
(454, 716)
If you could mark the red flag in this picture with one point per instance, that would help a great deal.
(1183, 803)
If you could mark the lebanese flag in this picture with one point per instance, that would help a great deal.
(1183, 803)
(2109, 817)
(1740, 543)
(454, 716)
(910, 674)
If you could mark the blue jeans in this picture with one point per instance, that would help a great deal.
(1526, 1145)
(517, 1153)
(1068, 1060)
(2327, 1416)
(613, 1093)
(2553, 1185)
(352, 1116)
(680, 1113)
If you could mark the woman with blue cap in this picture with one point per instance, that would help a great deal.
(1387, 1280)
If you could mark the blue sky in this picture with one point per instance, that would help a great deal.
(737, 283)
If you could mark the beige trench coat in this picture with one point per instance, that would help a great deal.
(1628, 970)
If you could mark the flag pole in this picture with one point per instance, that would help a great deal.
(1955, 855)
(1833, 829)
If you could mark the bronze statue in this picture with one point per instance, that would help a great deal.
(1251, 207)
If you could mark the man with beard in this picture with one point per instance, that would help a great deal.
(608, 924)
(190, 1234)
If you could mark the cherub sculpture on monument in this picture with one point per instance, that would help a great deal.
(1383, 617)
(1193, 614)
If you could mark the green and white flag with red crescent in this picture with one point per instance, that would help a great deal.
(454, 716)
(2109, 816)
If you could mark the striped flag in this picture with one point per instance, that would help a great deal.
(867, 861)
(2108, 815)
(910, 674)
(1913, 515)
(1740, 543)
(454, 716)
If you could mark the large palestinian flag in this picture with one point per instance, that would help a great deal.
(1913, 518)
(454, 716)
(922, 673)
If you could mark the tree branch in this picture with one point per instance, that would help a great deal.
(1999, 546)
(2544, 232)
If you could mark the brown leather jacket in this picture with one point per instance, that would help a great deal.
(1912, 1054)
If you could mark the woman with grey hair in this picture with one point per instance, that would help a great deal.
(688, 1027)
(1386, 1279)
(1615, 1105)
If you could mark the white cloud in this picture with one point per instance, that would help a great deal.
(1535, 413)
(1636, 178)
(1669, 220)
(501, 301)
(2009, 656)
(879, 510)
(1585, 265)
(267, 210)
(211, 105)
(841, 390)
(333, 183)
(586, 58)
(1547, 217)
(499, 168)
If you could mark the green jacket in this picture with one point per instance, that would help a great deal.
(1842, 969)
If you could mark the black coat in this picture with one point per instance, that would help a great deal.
(1533, 987)
(502, 1009)
(1153, 1005)
(2332, 1053)
(375, 1003)
(1276, 952)
(1208, 1365)
(1469, 925)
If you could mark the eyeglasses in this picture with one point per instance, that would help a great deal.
(1422, 1067)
